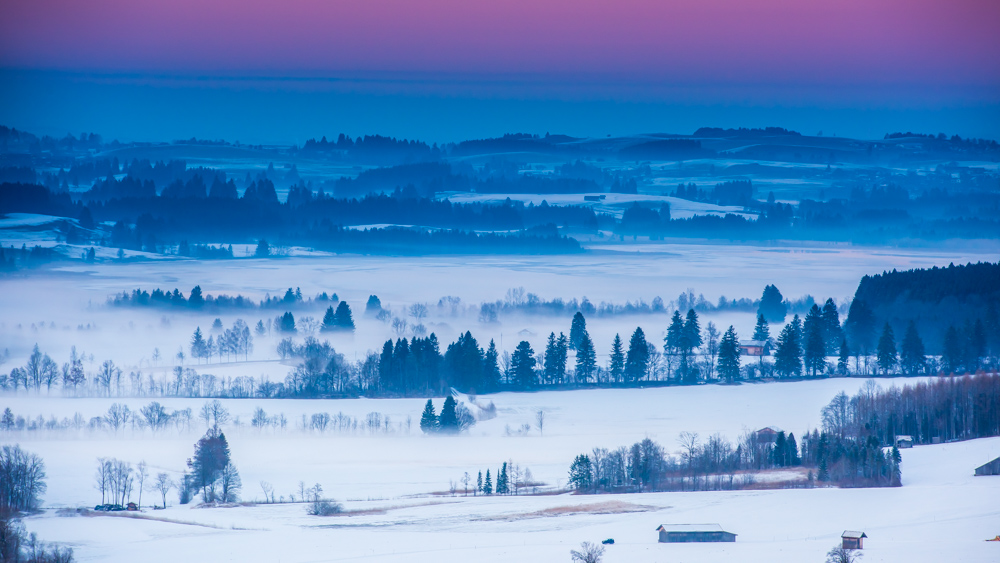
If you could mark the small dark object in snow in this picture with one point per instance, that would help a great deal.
(609, 541)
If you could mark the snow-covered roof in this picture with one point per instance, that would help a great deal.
(853, 534)
(760, 343)
(689, 528)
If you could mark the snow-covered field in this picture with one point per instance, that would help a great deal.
(389, 478)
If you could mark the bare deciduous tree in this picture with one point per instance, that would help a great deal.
(589, 553)
(540, 421)
(162, 485)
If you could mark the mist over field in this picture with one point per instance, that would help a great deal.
(394, 282)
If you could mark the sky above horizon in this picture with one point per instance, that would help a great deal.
(468, 68)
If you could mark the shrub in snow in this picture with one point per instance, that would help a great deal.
(324, 507)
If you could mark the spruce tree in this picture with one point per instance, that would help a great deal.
(788, 356)
(428, 420)
(833, 334)
(198, 346)
(491, 369)
(637, 359)
(729, 356)
(761, 332)
(951, 353)
(792, 451)
(523, 365)
(673, 341)
(617, 362)
(690, 339)
(448, 421)
(887, 350)
(814, 342)
(329, 320)
(586, 359)
(488, 484)
(843, 367)
(779, 451)
(502, 487)
(562, 356)
(196, 300)
(772, 305)
(551, 363)
(577, 330)
(911, 353)
(342, 318)
(479, 484)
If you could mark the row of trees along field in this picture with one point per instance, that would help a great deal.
(855, 448)
(816, 346)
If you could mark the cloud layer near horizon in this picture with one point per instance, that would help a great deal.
(775, 42)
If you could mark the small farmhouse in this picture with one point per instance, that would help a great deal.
(852, 539)
(674, 533)
(769, 434)
(754, 348)
(991, 468)
(904, 441)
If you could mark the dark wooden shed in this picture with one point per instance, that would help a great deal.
(852, 539)
(674, 533)
(990, 468)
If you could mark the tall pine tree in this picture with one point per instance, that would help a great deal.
(788, 356)
(637, 359)
(428, 420)
(729, 356)
(887, 350)
(911, 353)
(617, 362)
(576, 330)
(586, 359)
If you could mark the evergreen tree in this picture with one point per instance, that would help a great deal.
(448, 421)
(428, 420)
(860, 327)
(196, 300)
(576, 331)
(342, 318)
(211, 456)
(833, 334)
(479, 484)
(488, 484)
(761, 332)
(329, 321)
(792, 451)
(491, 369)
(637, 359)
(814, 330)
(263, 249)
(502, 488)
(523, 365)
(287, 323)
(690, 339)
(673, 341)
(788, 356)
(975, 347)
(842, 360)
(580, 473)
(951, 353)
(887, 350)
(617, 362)
(779, 451)
(373, 306)
(729, 356)
(555, 359)
(198, 346)
(772, 305)
(911, 353)
(586, 359)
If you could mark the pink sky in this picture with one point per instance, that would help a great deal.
(955, 43)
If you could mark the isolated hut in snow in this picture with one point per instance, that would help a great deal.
(852, 539)
(674, 533)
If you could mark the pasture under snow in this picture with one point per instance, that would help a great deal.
(387, 481)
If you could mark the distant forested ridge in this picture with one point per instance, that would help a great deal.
(964, 299)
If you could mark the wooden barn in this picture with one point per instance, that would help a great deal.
(677, 533)
(753, 348)
(904, 441)
(852, 539)
(990, 468)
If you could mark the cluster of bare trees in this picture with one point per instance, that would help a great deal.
(116, 478)
(22, 479)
